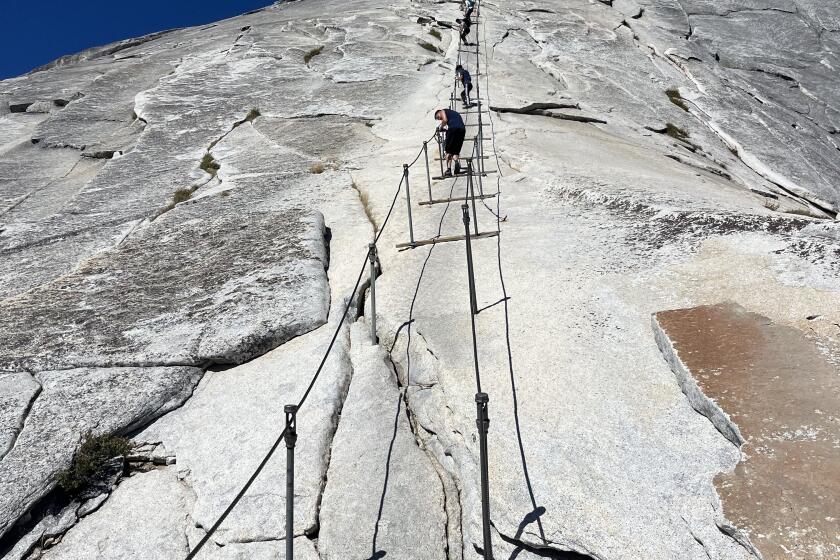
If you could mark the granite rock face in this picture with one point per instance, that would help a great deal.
(76, 401)
(389, 499)
(183, 217)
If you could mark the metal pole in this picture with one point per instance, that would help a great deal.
(482, 401)
(291, 438)
(480, 141)
(372, 256)
(471, 185)
(440, 151)
(408, 202)
(465, 210)
(428, 173)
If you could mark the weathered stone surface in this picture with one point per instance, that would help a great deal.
(771, 392)
(71, 403)
(17, 391)
(222, 433)
(383, 496)
(158, 298)
(146, 516)
(52, 525)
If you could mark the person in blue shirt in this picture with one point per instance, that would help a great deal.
(452, 122)
(466, 80)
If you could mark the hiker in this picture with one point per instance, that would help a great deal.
(465, 30)
(466, 80)
(455, 132)
(470, 4)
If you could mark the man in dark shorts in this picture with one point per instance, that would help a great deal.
(465, 78)
(465, 30)
(455, 132)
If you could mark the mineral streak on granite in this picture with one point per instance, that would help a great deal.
(383, 496)
(71, 403)
(781, 392)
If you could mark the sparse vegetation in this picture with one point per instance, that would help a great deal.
(365, 200)
(209, 164)
(429, 47)
(677, 99)
(733, 151)
(319, 167)
(674, 131)
(771, 204)
(435, 33)
(182, 195)
(91, 461)
(252, 114)
(312, 53)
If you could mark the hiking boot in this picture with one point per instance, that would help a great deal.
(457, 168)
(447, 173)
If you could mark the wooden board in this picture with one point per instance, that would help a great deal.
(457, 198)
(483, 235)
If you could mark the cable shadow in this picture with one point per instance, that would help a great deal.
(375, 554)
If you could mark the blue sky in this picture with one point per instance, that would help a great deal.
(35, 32)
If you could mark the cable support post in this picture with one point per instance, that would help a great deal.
(465, 210)
(482, 421)
(374, 339)
(471, 194)
(291, 438)
(408, 204)
(428, 173)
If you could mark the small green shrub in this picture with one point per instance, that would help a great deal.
(677, 99)
(90, 462)
(674, 131)
(317, 168)
(435, 33)
(252, 114)
(429, 47)
(209, 164)
(312, 53)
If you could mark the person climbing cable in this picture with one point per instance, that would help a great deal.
(466, 80)
(465, 30)
(452, 122)
(469, 6)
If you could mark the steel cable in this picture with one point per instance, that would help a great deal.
(309, 388)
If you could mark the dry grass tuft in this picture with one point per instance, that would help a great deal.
(312, 53)
(677, 99)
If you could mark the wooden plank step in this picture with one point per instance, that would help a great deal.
(457, 198)
(433, 241)
(467, 158)
(475, 173)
